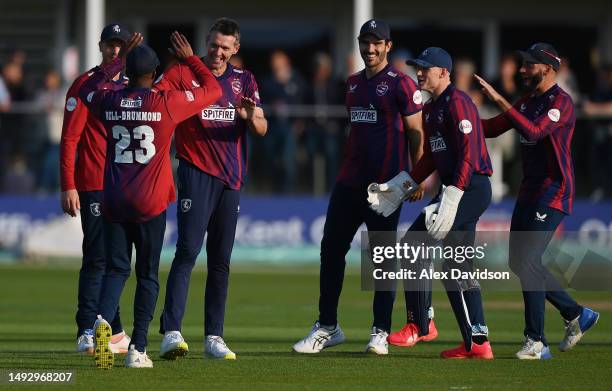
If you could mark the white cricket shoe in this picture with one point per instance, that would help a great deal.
(122, 345)
(215, 347)
(319, 338)
(533, 350)
(173, 346)
(103, 356)
(85, 342)
(135, 359)
(378, 342)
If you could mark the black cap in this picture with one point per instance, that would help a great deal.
(433, 57)
(377, 28)
(141, 60)
(541, 53)
(115, 31)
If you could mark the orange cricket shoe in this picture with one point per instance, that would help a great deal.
(409, 335)
(483, 352)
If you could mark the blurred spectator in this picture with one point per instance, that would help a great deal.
(18, 179)
(567, 80)
(507, 83)
(281, 89)
(599, 109)
(323, 133)
(398, 59)
(50, 101)
(463, 75)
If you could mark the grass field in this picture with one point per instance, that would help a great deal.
(268, 310)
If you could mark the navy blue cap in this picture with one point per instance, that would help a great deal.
(141, 60)
(377, 28)
(541, 53)
(115, 31)
(433, 57)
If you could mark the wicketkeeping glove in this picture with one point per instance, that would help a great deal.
(451, 196)
(431, 212)
(385, 198)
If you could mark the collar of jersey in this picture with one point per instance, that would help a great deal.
(449, 90)
(382, 71)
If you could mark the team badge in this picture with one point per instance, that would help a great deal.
(116, 29)
(236, 86)
(373, 24)
(94, 208)
(382, 89)
(185, 205)
(417, 97)
(554, 115)
(465, 126)
(541, 217)
(523, 108)
(71, 104)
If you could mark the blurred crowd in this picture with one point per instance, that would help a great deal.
(307, 125)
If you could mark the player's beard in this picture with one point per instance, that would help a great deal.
(531, 83)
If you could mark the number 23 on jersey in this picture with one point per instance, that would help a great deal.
(143, 154)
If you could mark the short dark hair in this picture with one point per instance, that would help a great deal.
(226, 26)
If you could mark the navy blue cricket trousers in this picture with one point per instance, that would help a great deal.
(93, 265)
(531, 230)
(205, 205)
(475, 200)
(348, 209)
(147, 238)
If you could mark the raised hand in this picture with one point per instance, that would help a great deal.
(247, 107)
(134, 40)
(180, 46)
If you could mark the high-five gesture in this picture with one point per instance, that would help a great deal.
(134, 40)
(180, 46)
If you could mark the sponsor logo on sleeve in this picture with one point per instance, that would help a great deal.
(465, 126)
(554, 115)
(417, 97)
(189, 95)
(71, 104)
(363, 115)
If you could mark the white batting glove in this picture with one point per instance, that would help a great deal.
(451, 196)
(431, 212)
(386, 197)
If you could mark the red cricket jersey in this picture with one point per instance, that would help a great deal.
(138, 181)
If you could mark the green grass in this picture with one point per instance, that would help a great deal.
(268, 310)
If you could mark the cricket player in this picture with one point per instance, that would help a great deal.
(138, 182)
(212, 151)
(455, 148)
(82, 153)
(545, 120)
(384, 107)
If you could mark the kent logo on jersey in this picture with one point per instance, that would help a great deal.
(221, 114)
(364, 115)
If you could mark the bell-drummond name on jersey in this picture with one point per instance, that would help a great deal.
(125, 115)
(359, 114)
(221, 114)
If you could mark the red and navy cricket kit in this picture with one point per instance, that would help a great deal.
(212, 152)
(82, 154)
(545, 124)
(377, 150)
(455, 147)
(138, 182)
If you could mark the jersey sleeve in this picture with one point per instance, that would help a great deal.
(252, 89)
(91, 93)
(75, 118)
(409, 97)
(183, 104)
(464, 121)
(560, 113)
(425, 166)
(172, 79)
